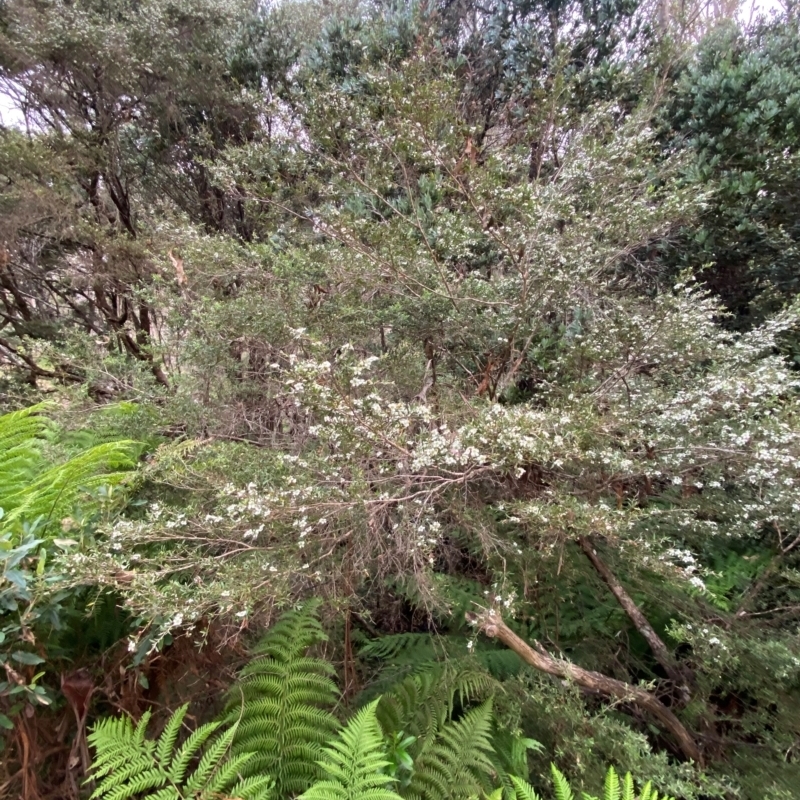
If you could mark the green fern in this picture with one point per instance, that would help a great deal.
(613, 788)
(451, 759)
(511, 757)
(354, 764)
(405, 648)
(30, 489)
(561, 787)
(522, 789)
(21, 437)
(129, 765)
(283, 701)
(421, 703)
(458, 761)
(400, 653)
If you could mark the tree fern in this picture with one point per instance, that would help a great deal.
(354, 763)
(129, 765)
(283, 700)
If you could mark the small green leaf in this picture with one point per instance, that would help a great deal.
(17, 577)
(5, 722)
(41, 562)
(27, 658)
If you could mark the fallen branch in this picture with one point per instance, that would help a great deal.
(660, 650)
(489, 622)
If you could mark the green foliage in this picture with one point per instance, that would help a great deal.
(354, 763)
(282, 703)
(40, 499)
(453, 755)
(456, 760)
(127, 764)
(21, 433)
(413, 296)
(613, 788)
(422, 703)
(737, 110)
(31, 489)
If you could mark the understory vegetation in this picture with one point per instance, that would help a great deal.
(399, 399)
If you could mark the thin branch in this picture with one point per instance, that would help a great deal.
(660, 650)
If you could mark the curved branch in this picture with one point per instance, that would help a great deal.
(491, 624)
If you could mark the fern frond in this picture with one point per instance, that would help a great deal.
(282, 704)
(511, 756)
(127, 764)
(188, 750)
(522, 789)
(169, 736)
(354, 763)
(404, 648)
(229, 771)
(168, 793)
(210, 761)
(31, 489)
(293, 633)
(611, 788)
(627, 787)
(257, 787)
(456, 762)
(53, 493)
(648, 793)
(21, 436)
(423, 702)
(561, 786)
